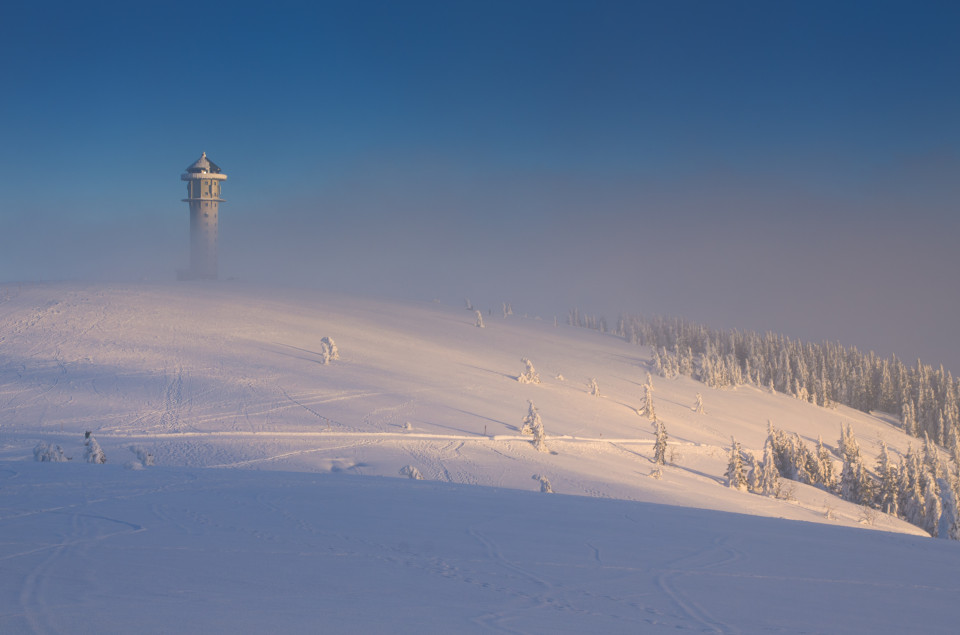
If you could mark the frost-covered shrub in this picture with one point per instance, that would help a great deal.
(328, 350)
(544, 483)
(411, 472)
(47, 453)
(94, 453)
(144, 457)
(530, 374)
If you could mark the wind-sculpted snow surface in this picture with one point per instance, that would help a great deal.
(311, 522)
(189, 550)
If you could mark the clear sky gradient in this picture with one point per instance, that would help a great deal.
(786, 166)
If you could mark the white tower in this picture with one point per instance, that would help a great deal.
(203, 193)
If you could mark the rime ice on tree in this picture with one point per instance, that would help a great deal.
(530, 374)
(94, 453)
(203, 179)
(328, 350)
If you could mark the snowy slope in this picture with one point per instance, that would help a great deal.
(230, 376)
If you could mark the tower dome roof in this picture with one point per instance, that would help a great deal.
(203, 164)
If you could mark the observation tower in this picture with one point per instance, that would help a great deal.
(203, 194)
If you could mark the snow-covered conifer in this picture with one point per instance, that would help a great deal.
(468, 306)
(735, 476)
(933, 508)
(49, 453)
(887, 493)
(698, 405)
(531, 420)
(94, 453)
(648, 408)
(479, 320)
(769, 479)
(660, 443)
(931, 458)
(544, 483)
(529, 374)
(827, 477)
(948, 526)
(411, 472)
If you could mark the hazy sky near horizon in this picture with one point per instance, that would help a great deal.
(785, 166)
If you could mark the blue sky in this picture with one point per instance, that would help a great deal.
(790, 166)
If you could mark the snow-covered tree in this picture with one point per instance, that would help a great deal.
(948, 526)
(479, 320)
(328, 350)
(531, 420)
(825, 472)
(855, 484)
(411, 472)
(660, 443)
(94, 453)
(887, 490)
(539, 436)
(648, 408)
(592, 387)
(529, 374)
(769, 477)
(933, 507)
(544, 483)
(49, 453)
(735, 476)
(698, 405)
(467, 305)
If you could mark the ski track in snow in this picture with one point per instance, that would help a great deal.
(670, 582)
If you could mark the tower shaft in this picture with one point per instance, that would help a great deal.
(203, 194)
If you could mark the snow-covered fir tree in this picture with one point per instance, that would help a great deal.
(660, 443)
(933, 507)
(529, 374)
(769, 478)
(648, 408)
(948, 526)
(49, 453)
(94, 453)
(855, 483)
(531, 420)
(698, 405)
(735, 474)
(887, 489)
(479, 322)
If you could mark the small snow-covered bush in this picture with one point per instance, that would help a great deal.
(47, 453)
(94, 453)
(328, 350)
(530, 374)
(544, 483)
(411, 472)
(144, 457)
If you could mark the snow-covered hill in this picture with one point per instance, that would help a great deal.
(231, 376)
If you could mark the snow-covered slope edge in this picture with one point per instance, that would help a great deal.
(221, 375)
